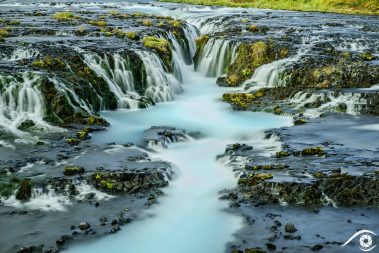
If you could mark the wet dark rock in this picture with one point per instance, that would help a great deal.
(290, 228)
(271, 246)
(25, 190)
(128, 181)
(317, 247)
(73, 170)
(64, 239)
(30, 249)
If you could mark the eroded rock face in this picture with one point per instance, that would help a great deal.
(340, 190)
(128, 181)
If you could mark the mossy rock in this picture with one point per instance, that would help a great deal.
(64, 16)
(314, 151)
(367, 56)
(300, 121)
(51, 63)
(83, 134)
(24, 191)
(243, 100)
(249, 58)
(73, 141)
(253, 179)
(162, 47)
(282, 154)
(265, 166)
(73, 170)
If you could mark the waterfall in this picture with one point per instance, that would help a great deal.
(353, 102)
(73, 98)
(267, 75)
(161, 86)
(216, 57)
(20, 100)
(119, 77)
(22, 53)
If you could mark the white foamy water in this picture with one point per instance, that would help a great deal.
(190, 211)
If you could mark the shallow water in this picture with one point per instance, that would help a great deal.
(190, 218)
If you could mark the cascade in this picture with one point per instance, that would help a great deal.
(216, 56)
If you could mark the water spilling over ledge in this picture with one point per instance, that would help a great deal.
(110, 114)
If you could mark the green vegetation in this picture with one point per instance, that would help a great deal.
(24, 191)
(49, 62)
(317, 151)
(162, 46)
(249, 58)
(370, 7)
(254, 179)
(243, 100)
(4, 32)
(101, 23)
(64, 16)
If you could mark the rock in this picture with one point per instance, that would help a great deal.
(30, 249)
(84, 225)
(290, 228)
(271, 246)
(26, 125)
(317, 247)
(73, 170)
(291, 237)
(63, 240)
(25, 190)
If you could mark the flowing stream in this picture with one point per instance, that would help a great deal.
(190, 218)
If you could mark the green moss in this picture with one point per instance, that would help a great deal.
(100, 23)
(175, 23)
(265, 167)
(94, 120)
(367, 56)
(278, 110)
(319, 175)
(282, 154)
(253, 28)
(49, 62)
(243, 100)
(370, 7)
(73, 170)
(254, 179)
(316, 151)
(83, 134)
(162, 46)
(73, 141)
(249, 58)
(64, 16)
(201, 41)
(4, 33)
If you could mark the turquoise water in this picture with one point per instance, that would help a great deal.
(189, 218)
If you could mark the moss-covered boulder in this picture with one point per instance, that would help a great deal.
(24, 191)
(243, 100)
(73, 170)
(162, 47)
(250, 57)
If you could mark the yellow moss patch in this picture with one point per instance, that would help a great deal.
(243, 100)
(64, 16)
(162, 46)
(147, 22)
(49, 62)
(97, 23)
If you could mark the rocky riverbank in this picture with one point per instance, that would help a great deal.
(60, 68)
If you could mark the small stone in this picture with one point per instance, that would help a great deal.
(271, 246)
(84, 225)
(317, 247)
(290, 228)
